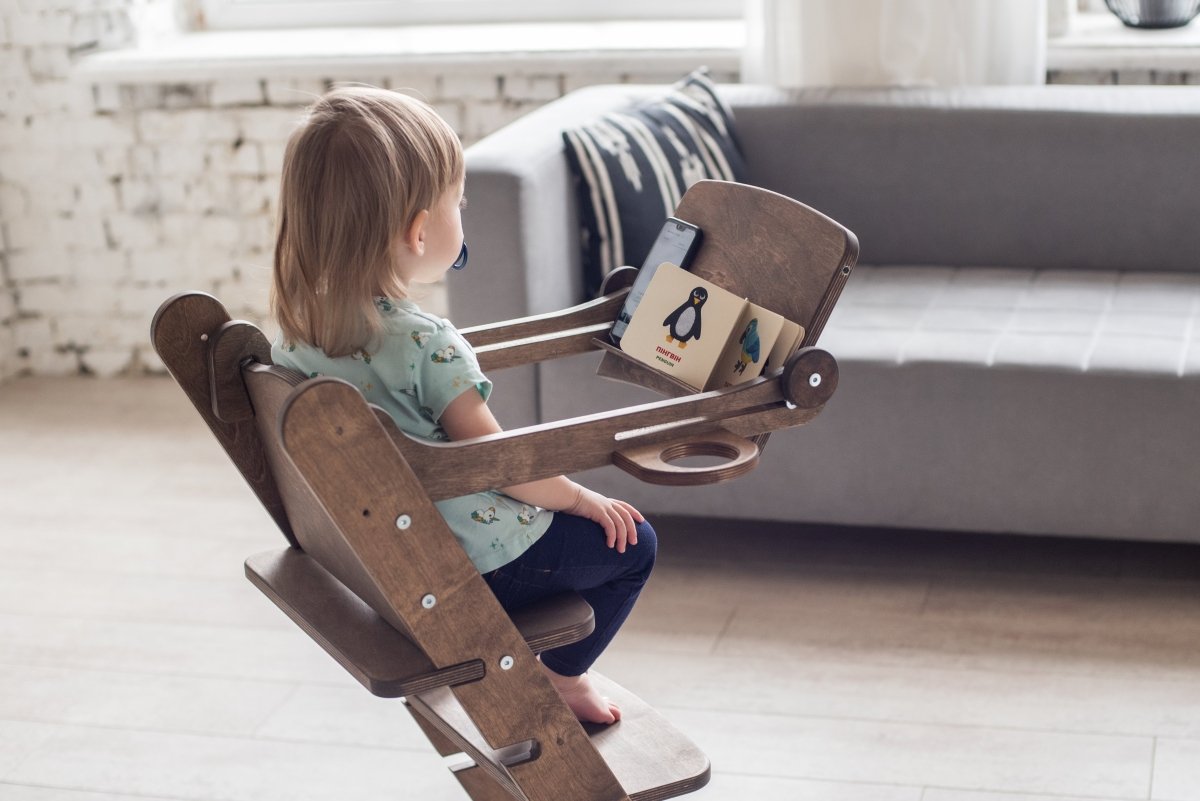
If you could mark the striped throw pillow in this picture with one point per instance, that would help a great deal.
(631, 168)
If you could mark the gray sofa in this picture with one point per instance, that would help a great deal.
(1019, 347)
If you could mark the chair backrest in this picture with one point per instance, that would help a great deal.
(247, 388)
(269, 387)
(182, 332)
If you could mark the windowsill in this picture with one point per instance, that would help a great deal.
(1099, 41)
(330, 52)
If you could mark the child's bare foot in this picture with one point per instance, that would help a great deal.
(583, 699)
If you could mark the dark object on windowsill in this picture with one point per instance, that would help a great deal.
(1154, 13)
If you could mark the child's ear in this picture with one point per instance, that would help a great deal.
(414, 237)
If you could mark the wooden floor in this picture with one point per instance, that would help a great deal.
(812, 664)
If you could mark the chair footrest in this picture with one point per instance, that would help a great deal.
(650, 758)
(381, 658)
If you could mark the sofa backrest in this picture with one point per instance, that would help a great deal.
(1039, 177)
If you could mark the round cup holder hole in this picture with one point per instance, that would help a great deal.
(699, 455)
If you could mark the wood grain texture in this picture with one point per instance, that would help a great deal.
(618, 365)
(527, 454)
(810, 377)
(544, 347)
(234, 343)
(481, 787)
(651, 758)
(601, 310)
(338, 445)
(653, 463)
(378, 656)
(778, 252)
(382, 659)
(554, 622)
(442, 712)
(270, 388)
(768, 420)
(180, 332)
(477, 784)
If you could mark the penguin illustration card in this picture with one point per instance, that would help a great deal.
(746, 354)
(682, 325)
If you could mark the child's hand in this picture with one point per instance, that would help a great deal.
(618, 518)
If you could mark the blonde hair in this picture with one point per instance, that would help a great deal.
(356, 173)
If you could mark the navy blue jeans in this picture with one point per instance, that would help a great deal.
(573, 555)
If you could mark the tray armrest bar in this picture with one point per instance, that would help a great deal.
(555, 345)
(601, 310)
(581, 443)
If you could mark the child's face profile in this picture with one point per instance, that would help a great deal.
(440, 240)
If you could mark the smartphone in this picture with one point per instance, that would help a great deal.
(676, 243)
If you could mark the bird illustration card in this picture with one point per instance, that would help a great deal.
(786, 344)
(747, 352)
(683, 325)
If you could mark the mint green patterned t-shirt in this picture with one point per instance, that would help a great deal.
(419, 366)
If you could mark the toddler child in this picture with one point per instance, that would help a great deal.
(370, 204)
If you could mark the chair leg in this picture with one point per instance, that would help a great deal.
(477, 784)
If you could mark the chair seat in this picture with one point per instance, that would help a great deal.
(649, 757)
(382, 659)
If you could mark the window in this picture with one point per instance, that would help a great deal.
(237, 14)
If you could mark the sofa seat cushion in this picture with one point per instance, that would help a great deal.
(971, 399)
(1073, 320)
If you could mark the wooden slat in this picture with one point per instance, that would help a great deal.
(382, 659)
(652, 463)
(481, 787)
(540, 348)
(526, 454)
(269, 388)
(234, 343)
(651, 758)
(778, 252)
(618, 365)
(364, 483)
(769, 420)
(441, 710)
(181, 331)
(378, 656)
(554, 622)
(599, 311)
(474, 780)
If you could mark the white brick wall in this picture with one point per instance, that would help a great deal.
(113, 197)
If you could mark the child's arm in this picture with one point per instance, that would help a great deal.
(468, 416)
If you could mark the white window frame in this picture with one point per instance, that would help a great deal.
(259, 14)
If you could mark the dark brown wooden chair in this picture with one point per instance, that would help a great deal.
(375, 577)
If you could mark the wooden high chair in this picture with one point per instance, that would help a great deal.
(374, 576)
